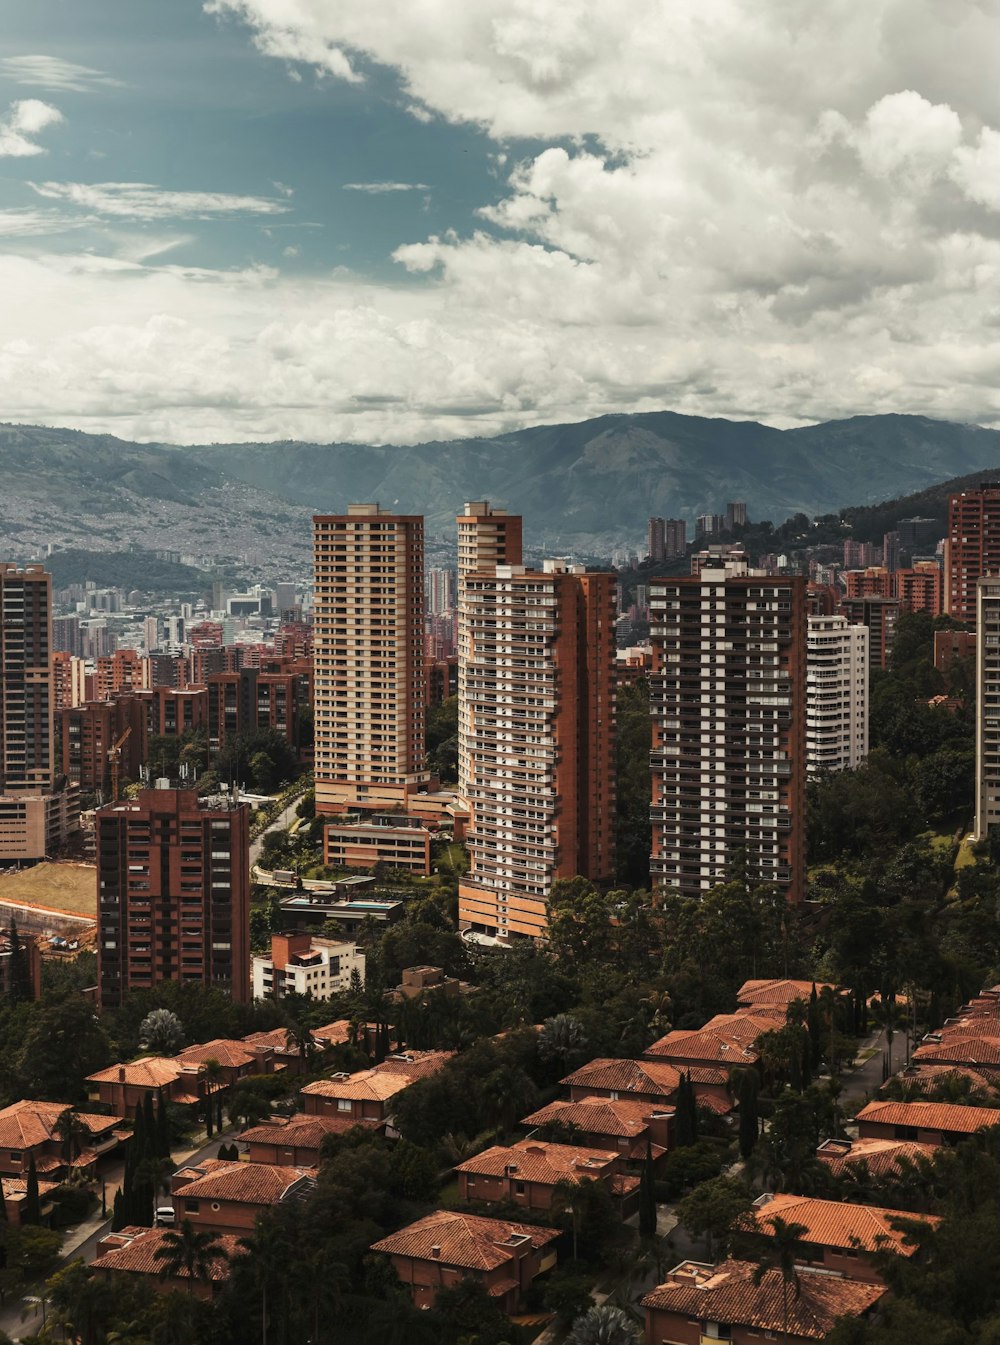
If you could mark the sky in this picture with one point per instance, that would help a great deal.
(389, 221)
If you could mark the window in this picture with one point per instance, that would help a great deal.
(343, 1104)
(519, 1188)
(191, 1206)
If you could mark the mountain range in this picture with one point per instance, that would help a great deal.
(582, 487)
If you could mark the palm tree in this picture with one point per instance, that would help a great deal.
(73, 1134)
(299, 1038)
(570, 1199)
(778, 1250)
(212, 1073)
(189, 1252)
(604, 1325)
(562, 1038)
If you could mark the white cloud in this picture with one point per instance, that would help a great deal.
(383, 188)
(24, 120)
(976, 169)
(143, 201)
(55, 74)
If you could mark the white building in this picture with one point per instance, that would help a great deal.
(836, 694)
(302, 964)
(987, 706)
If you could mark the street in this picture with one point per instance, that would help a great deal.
(284, 819)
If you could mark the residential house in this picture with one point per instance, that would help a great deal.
(295, 1141)
(528, 1172)
(121, 1088)
(772, 997)
(879, 1158)
(236, 1058)
(447, 1246)
(623, 1124)
(15, 1193)
(924, 1122)
(839, 1237)
(131, 1254)
(958, 1083)
(28, 1128)
(699, 1303)
(222, 1197)
(726, 1042)
(369, 1095)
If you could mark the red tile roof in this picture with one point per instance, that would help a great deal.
(949, 1116)
(333, 1034)
(626, 1076)
(880, 1157)
(831, 1223)
(726, 1293)
(622, 1117)
(384, 1081)
(729, 1042)
(231, 1054)
(466, 1241)
(780, 992)
(968, 1046)
(152, 1071)
(244, 1183)
(302, 1131)
(536, 1161)
(136, 1253)
(415, 1064)
(925, 1077)
(25, 1124)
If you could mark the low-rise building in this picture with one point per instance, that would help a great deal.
(933, 1123)
(444, 1248)
(30, 1129)
(527, 1174)
(121, 1088)
(880, 1158)
(131, 1254)
(698, 1303)
(222, 1197)
(295, 1141)
(304, 964)
(404, 844)
(625, 1125)
(15, 1193)
(370, 1094)
(726, 1041)
(839, 1237)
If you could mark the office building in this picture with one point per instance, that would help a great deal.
(971, 549)
(836, 694)
(727, 697)
(368, 659)
(173, 880)
(987, 705)
(536, 739)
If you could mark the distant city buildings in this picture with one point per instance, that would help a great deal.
(971, 549)
(666, 538)
(728, 703)
(836, 694)
(988, 705)
(304, 964)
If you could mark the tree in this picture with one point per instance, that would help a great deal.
(562, 1038)
(212, 1073)
(189, 1252)
(19, 978)
(713, 1209)
(647, 1195)
(64, 1044)
(686, 1114)
(604, 1325)
(300, 1039)
(747, 1089)
(32, 1212)
(780, 1251)
(161, 1031)
(73, 1134)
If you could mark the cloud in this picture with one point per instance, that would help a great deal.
(55, 74)
(382, 188)
(18, 223)
(143, 201)
(25, 119)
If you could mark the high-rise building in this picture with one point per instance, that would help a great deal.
(836, 694)
(987, 705)
(727, 697)
(68, 680)
(368, 658)
(27, 702)
(654, 539)
(971, 549)
(736, 515)
(66, 635)
(919, 588)
(536, 739)
(173, 882)
(440, 591)
(880, 616)
(874, 582)
(890, 551)
(666, 538)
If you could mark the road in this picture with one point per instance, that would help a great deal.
(865, 1081)
(24, 1317)
(284, 819)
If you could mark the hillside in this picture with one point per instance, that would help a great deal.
(581, 487)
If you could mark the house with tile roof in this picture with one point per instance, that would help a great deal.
(880, 1158)
(924, 1122)
(15, 1193)
(295, 1141)
(622, 1124)
(697, 1303)
(974, 1042)
(369, 1094)
(778, 993)
(528, 1172)
(223, 1197)
(121, 1088)
(131, 1254)
(725, 1042)
(236, 1059)
(961, 1083)
(839, 1237)
(29, 1128)
(652, 1081)
(448, 1246)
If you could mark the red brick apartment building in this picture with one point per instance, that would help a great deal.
(971, 548)
(174, 889)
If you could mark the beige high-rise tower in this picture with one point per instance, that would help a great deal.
(368, 658)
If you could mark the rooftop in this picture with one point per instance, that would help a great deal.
(244, 1183)
(726, 1293)
(536, 1161)
(831, 1223)
(624, 1117)
(136, 1250)
(952, 1116)
(26, 1124)
(626, 1076)
(466, 1241)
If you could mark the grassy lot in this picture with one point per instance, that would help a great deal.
(63, 887)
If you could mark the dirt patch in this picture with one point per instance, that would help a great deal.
(60, 887)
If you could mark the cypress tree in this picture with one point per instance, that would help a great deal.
(684, 1118)
(19, 982)
(647, 1195)
(149, 1126)
(162, 1127)
(746, 1092)
(118, 1211)
(814, 1022)
(32, 1204)
(694, 1110)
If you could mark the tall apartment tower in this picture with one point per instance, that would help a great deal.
(987, 705)
(27, 701)
(368, 656)
(836, 694)
(487, 537)
(173, 885)
(536, 738)
(727, 697)
(440, 591)
(666, 538)
(971, 548)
